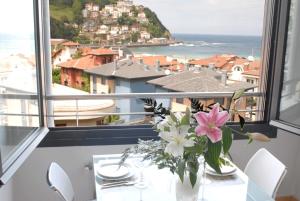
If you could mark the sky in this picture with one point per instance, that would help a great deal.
(224, 17)
(18, 20)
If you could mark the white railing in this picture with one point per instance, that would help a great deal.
(77, 98)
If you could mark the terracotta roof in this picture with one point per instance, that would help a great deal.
(199, 81)
(70, 43)
(85, 62)
(218, 60)
(127, 69)
(101, 51)
(173, 65)
(85, 50)
(151, 60)
(226, 62)
(56, 41)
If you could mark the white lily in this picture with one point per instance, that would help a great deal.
(177, 140)
(166, 123)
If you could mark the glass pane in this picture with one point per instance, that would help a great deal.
(290, 96)
(143, 46)
(18, 82)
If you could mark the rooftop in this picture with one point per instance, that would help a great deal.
(101, 51)
(82, 63)
(70, 43)
(226, 62)
(127, 69)
(204, 80)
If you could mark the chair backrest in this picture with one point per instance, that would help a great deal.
(266, 171)
(59, 181)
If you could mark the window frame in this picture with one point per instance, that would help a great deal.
(38, 134)
(275, 14)
(278, 75)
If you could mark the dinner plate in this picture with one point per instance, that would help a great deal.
(112, 171)
(225, 169)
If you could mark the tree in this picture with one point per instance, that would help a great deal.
(56, 76)
(77, 7)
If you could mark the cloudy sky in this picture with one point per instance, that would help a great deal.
(227, 17)
(20, 21)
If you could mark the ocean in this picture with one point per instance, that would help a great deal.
(192, 46)
(16, 43)
(200, 46)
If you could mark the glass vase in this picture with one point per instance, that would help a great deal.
(185, 191)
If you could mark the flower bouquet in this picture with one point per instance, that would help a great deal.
(185, 137)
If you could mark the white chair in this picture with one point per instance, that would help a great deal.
(266, 171)
(59, 181)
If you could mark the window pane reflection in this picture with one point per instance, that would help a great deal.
(290, 97)
(19, 111)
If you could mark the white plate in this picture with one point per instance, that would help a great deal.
(111, 171)
(225, 169)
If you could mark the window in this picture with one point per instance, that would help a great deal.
(226, 54)
(21, 95)
(240, 56)
(288, 117)
(103, 80)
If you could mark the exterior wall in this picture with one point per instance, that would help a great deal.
(97, 87)
(72, 76)
(123, 105)
(136, 105)
(64, 56)
(165, 101)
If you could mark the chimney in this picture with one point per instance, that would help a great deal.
(186, 67)
(211, 66)
(224, 78)
(146, 67)
(157, 65)
(116, 67)
(141, 61)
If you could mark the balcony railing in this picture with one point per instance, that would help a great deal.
(74, 103)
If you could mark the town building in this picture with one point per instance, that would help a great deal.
(124, 76)
(200, 80)
(66, 112)
(167, 63)
(62, 51)
(238, 68)
(72, 70)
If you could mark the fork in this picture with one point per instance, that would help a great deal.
(117, 184)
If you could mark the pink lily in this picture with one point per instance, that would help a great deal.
(210, 123)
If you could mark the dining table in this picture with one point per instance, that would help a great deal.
(160, 184)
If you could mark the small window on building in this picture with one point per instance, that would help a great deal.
(179, 100)
(219, 100)
(103, 80)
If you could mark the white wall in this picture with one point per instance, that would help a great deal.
(6, 191)
(30, 181)
(297, 174)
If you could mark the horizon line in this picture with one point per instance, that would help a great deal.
(215, 34)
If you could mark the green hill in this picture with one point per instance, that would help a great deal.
(65, 14)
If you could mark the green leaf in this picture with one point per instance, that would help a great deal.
(237, 94)
(181, 170)
(250, 140)
(173, 117)
(226, 139)
(193, 178)
(212, 155)
(242, 121)
(185, 120)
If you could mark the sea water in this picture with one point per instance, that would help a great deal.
(194, 46)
